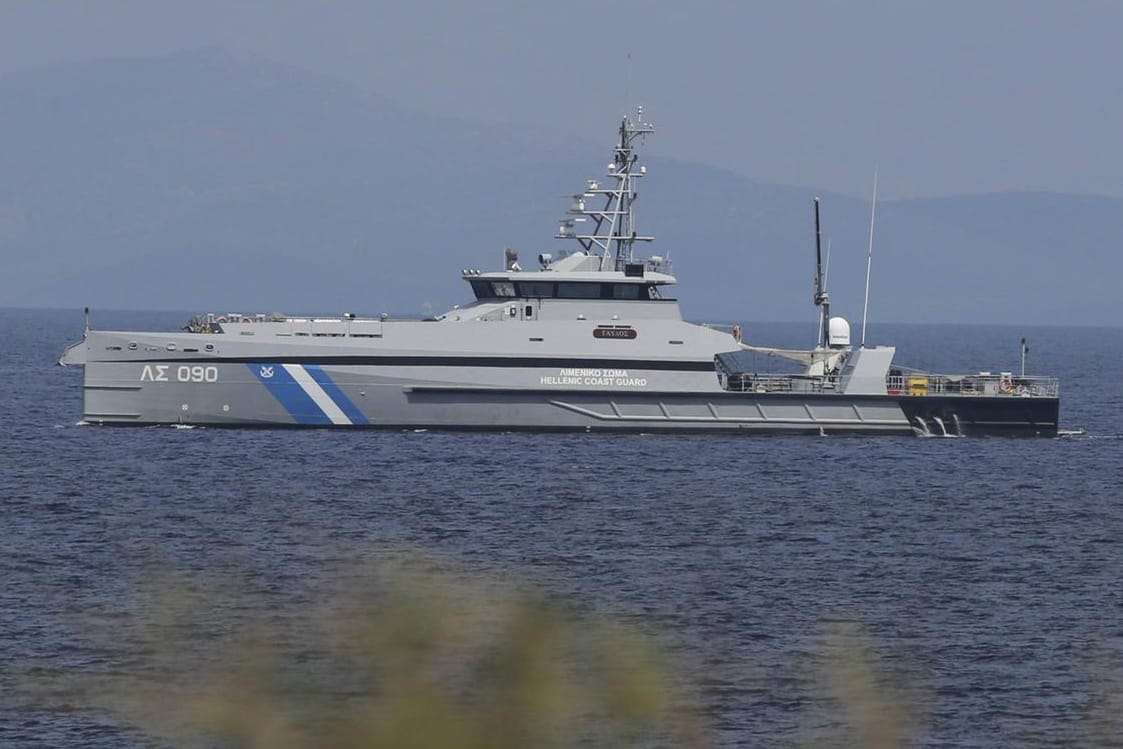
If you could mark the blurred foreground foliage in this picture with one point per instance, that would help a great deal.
(406, 654)
(416, 653)
(861, 704)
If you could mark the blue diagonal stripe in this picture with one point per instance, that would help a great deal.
(289, 394)
(323, 379)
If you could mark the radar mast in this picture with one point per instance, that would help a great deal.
(611, 228)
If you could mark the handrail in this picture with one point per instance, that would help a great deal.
(984, 383)
(774, 383)
(989, 385)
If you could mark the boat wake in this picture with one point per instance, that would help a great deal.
(1081, 433)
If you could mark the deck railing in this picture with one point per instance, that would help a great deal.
(984, 383)
(775, 383)
(914, 384)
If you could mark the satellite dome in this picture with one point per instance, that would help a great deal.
(838, 333)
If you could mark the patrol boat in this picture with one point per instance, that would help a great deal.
(592, 340)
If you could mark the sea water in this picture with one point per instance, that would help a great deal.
(985, 571)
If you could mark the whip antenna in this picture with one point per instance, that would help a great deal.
(869, 259)
(822, 301)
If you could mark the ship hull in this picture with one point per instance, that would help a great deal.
(295, 394)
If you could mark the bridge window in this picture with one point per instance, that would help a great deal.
(579, 290)
(540, 289)
(563, 290)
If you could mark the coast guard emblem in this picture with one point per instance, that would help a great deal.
(266, 372)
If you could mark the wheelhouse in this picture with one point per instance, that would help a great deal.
(491, 290)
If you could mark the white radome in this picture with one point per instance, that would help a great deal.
(838, 333)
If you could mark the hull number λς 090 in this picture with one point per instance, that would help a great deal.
(182, 373)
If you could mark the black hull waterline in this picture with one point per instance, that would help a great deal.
(982, 416)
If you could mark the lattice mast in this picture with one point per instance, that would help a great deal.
(610, 231)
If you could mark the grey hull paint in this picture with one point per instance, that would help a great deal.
(145, 378)
(392, 397)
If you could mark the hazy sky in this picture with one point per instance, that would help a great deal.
(945, 97)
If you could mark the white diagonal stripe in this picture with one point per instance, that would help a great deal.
(317, 394)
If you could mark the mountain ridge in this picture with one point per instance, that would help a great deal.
(216, 179)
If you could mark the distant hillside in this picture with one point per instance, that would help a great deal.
(215, 180)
